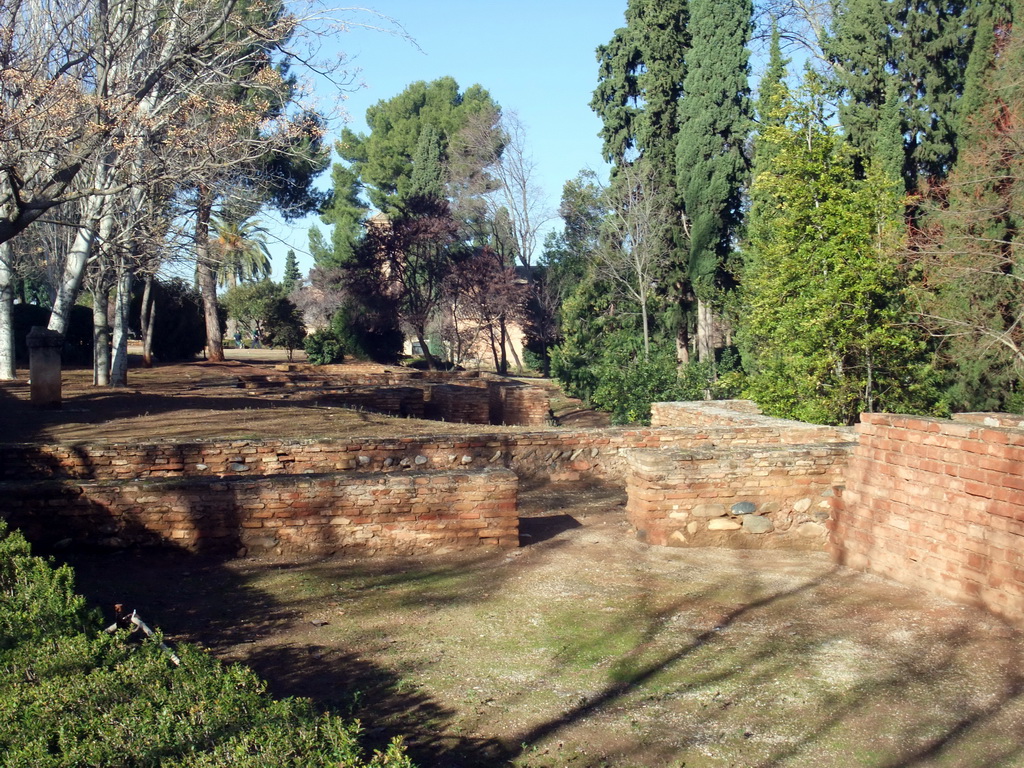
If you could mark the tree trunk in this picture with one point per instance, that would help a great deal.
(146, 319)
(122, 303)
(511, 347)
(683, 347)
(207, 278)
(705, 332)
(78, 255)
(7, 368)
(432, 362)
(100, 334)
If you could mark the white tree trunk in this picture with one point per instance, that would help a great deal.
(146, 322)
(78, 255)
(100, 335)
(122, 303)
(7, 370)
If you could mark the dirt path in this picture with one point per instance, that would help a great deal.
(586, 648)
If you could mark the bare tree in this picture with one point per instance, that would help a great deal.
(490, 161)
(631, 256)
(95, 96)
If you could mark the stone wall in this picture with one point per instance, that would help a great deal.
(761, 498)
(938, 505)
(283, 514)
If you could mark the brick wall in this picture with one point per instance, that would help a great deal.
(938, 505)
(762, 498)
(321, 514)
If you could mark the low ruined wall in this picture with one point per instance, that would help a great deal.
(458, 403)
(763, 498)
(537, 456)
(395, 401)
(696, 413)
(321, 514)
(513, 403)
(938, 505)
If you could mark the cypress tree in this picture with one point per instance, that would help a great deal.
(921, 49)
(427, 167)
(641, 75)
(292, 275)
(715, 120)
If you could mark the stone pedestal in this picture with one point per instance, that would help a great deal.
(44, 366)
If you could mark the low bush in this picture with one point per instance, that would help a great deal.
(324, 348)
(74, 695)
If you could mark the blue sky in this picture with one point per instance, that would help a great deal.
(536, 58)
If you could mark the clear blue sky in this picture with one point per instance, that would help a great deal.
(536, 59)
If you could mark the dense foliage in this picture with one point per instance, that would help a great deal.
(74, 695)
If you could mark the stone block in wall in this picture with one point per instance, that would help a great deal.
(775, 497)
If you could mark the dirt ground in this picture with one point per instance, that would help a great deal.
(206, 400)
(582, 647)
(586, 648)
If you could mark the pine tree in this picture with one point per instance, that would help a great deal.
(715, 120)
(344, 211)
(383, 159)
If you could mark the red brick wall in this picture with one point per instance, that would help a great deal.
(767, 498)
(938, 505)
(321, 514)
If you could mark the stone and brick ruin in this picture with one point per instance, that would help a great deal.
(934, 503)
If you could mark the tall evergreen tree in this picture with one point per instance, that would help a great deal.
(292, 275)
(920, 48)
(969, 245)
(715, 120)
(427, 165)
(641, 74)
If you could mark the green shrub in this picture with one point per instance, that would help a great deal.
(73, 695)
(324, 348)
(368, 335)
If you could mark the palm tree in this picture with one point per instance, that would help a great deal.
(241, 249)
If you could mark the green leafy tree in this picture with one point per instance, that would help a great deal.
(826, 332)
(714, 122)
(264, 310)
